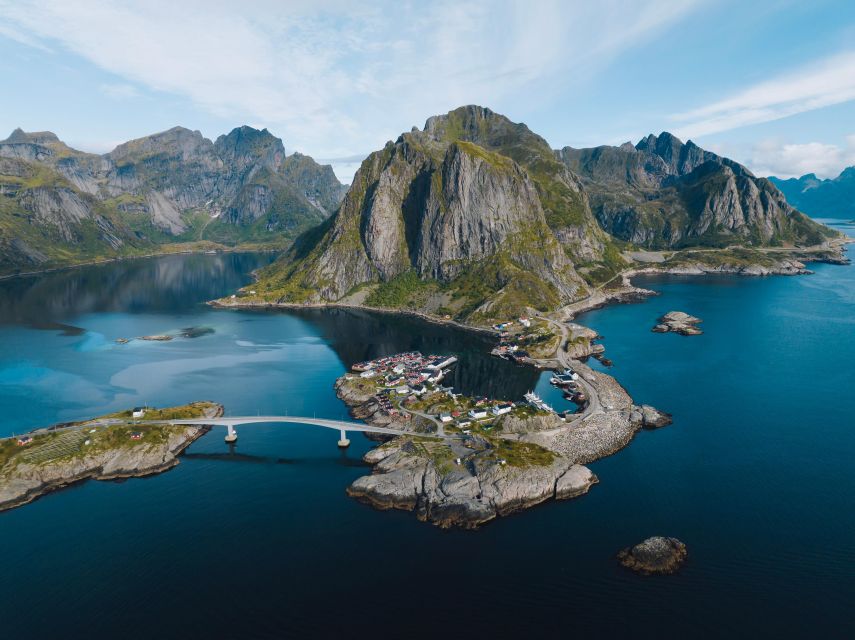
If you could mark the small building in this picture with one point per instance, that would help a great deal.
(445, 417)
(368, 373)
(138, 412)
(418, 389)
(23, 441)
(502, 409)
(464, 422)
(136, 435)
(477, 414)
(525, 322)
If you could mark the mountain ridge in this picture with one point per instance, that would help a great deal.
(171, 186)
(475, 216)
(829, 197)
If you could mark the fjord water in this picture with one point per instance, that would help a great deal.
(755, 474)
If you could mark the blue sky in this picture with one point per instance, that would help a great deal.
(771, 84)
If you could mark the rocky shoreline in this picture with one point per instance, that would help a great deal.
(22, 483)
(466, 496)
(464, 481)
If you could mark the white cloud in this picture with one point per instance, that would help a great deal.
(119, 91)
(774, 158)
(334, 78)
(820, 84)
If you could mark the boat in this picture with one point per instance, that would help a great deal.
(537, 402)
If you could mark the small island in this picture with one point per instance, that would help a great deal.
(656, 555)
(127, 444)
(471, 459)
(678, 322)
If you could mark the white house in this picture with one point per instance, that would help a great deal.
(368, 373)
(502, 409)
(138, 412)
(445, 417)
(477, 414)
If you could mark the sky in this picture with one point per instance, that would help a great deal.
(770, 84)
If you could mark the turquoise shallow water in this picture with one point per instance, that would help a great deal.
(755, 475)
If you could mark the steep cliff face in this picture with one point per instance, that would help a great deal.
(62, 205)
(666, 194)
(447, 214)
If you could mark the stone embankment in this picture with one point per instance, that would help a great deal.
(24, 482)
(601, 430)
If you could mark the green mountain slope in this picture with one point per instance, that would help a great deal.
(664, 194)
(61, 206)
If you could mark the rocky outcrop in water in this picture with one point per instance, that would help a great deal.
(656, 555)
(678, 322)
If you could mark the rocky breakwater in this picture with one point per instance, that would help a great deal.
(469, 483)
(606, 424)
(656, 555)
(107, 448)
(678, 322)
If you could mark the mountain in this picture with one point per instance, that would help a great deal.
(61, 205)
(829, 198)
(473, 216)
(663, 194)
(476, 217)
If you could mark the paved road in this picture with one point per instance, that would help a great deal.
(440, 427)
(566, 362)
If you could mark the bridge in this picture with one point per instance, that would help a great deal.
(341, 426)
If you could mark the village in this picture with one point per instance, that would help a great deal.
(525, 340)
(410, 384)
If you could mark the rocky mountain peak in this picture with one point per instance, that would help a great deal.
(177, 141)
(34, 137)
(246, 144)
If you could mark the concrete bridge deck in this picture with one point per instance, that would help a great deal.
(337, 425)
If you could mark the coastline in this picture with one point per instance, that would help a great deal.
(29, 481)
(158, 254)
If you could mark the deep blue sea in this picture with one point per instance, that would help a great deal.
(260, 541)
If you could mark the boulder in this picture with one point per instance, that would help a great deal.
(656, 555)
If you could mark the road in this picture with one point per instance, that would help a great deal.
(564, 360)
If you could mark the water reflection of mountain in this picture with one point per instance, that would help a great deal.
(360, 335)
(166, 284)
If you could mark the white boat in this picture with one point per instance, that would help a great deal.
(537, 402)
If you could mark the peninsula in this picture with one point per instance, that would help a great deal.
(110, 447)
(470, 459)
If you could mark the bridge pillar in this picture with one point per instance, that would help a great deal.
(231, 436)
(343, 441)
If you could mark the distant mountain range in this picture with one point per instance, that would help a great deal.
(59, 205)
(476, 217)
(829, 198)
